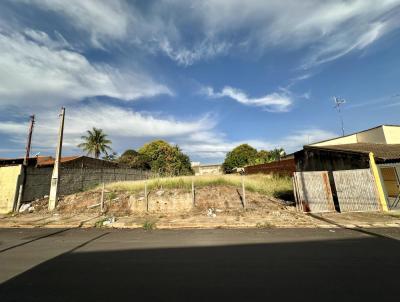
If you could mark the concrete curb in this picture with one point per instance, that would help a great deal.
(90, 223)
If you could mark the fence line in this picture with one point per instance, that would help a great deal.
(313, 192)
(356, 190)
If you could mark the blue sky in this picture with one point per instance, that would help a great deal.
(207, 75)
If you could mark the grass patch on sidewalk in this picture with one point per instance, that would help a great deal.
(260, 183)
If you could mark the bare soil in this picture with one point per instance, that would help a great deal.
(215, 206)
(211, 202)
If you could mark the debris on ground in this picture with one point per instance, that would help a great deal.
(211, 213)
(25, 207)
(109, 220)
(221, 202)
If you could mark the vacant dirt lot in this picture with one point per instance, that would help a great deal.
(214, 206)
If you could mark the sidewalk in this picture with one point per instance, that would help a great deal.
(48, 220)
(252, 220)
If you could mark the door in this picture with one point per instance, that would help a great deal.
(391, 183)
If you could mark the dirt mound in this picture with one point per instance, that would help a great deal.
(168, 201)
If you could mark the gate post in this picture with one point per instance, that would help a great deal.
(378, 183)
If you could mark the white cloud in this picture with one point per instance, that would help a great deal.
(186, 57)
(326, 30)
(277, 102)
(190, 31)
(121, 124)
(345, 43)
(129, 129)
(37, 70)
(101, 18)
(334, 27)
(211, 146)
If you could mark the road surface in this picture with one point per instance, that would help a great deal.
(199, 265)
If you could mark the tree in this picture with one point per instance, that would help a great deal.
(165, 159)
(240, 156)
(134, 159)
(111, 156)
(263, 156)
(276, 154)
(95, 143)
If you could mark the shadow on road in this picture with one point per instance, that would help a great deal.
(360, 269)
(355, 229)
(34, 239)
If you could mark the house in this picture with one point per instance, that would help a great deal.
(354, 151)
(285, 166)
(67, 162)
(208, 169)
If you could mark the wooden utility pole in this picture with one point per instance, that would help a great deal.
(53, 197)
(25, 163)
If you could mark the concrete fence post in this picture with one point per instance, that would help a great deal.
(146, 196)
(243, 192)
(102, 199)
(193, 194)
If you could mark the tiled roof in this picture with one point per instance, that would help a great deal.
(381, 151)
(40, 161)
(49, 161)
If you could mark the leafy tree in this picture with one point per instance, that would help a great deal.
(134, 159)
(95, 143)
(166, 159)
(240, 156)
(111, 156)
(263, 156)
(276, 154)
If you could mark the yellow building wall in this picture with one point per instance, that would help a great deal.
(9, 180)
(374, 136)
(390, 181)
(392, 134)
(350, 139)
(380, 135)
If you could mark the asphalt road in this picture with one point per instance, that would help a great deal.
(199, 265)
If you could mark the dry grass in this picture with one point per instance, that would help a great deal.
(264, 184)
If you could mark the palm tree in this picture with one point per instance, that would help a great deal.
(95, 142)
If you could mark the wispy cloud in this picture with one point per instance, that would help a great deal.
(190, 31)
(118, 122)
(50, 72)
(186, 57)
(102, 19)
(199, 137)
(276, 102)
(383, 101)
(212, 146)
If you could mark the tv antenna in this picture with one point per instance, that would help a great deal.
(338, 102)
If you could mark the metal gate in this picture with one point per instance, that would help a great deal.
(356, 190)
(313, 192)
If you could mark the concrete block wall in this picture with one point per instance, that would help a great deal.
(73, 180)
(37, 183)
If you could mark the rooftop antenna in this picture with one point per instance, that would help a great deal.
(339, 101)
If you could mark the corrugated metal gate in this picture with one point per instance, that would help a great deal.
(356, 190)
(313, 192)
